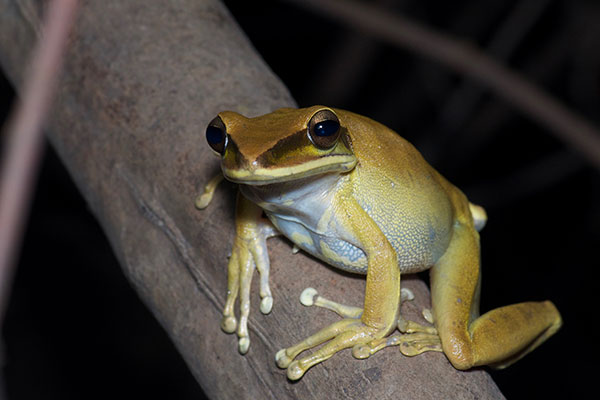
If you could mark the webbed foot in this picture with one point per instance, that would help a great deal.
(411, 344)
(349, 332)
(416, 339)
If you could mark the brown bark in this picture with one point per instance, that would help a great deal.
(142, 79)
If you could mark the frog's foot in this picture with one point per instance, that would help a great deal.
(417, 339)
(249, 253)
(310, 297)
(411, 344)
(349, 332)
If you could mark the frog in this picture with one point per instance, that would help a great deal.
(356, 195)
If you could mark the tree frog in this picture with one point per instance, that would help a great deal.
(356, 195)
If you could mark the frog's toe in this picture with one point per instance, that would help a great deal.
(310, 297)
(347, 333)
(428, 315)
(228, 324)
(410, 344)
(307, 297)
(266, 304)
(243, 345)
(416, 343)
(282, 359)
(406, 326)
(368, 349)
(362, 351)
(406, 295)
(294, 371)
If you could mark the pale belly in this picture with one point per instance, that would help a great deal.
(415, 254)
(336, 252)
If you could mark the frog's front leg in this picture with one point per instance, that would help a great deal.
(382, 299)
(498, 337)
(249, 252)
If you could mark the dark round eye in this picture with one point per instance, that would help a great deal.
(216, 135)
(324, 129)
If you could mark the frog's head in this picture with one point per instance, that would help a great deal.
(284, 145)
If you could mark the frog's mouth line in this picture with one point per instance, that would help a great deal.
(266, 176)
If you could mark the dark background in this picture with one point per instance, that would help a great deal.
(75, 329)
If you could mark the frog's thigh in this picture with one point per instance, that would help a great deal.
(499, 337)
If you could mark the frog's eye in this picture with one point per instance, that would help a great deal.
(324, 129)
(216, 135)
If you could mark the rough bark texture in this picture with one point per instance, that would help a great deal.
(142, 80)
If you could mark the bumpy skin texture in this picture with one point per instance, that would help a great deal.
(369, 203)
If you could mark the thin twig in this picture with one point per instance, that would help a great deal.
(568, 126)
(23, 135)
(460, 106)
(545, 63)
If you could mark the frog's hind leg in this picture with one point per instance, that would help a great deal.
(351, 315)
(417, 339)
(498, 337)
